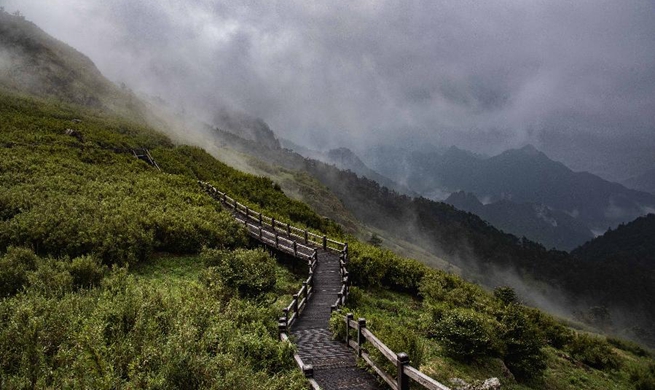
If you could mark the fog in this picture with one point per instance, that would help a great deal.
(576, 79)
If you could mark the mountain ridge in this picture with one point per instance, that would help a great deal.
(524, 175)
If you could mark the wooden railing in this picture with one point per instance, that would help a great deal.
(342, 295)
(303, 244)
(404, 372)
(293, 311)
(284, 236)
(299, 243)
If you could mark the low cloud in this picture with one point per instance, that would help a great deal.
(482, 75)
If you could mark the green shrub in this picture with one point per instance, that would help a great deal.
(629, 346)
(643, 378)
(431, 315)
(51, 278)
(554, 333)
(338, 325)
(465, 334)
(593, 351)
(522, 344)
(249, 272)
(506, 295)
(86, 271)
(355, 297)
(14, 267)
(399, 340)
(436, 284)
(376, 267)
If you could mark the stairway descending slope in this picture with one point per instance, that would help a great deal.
(335, 366)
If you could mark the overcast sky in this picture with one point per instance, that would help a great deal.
(484, 75)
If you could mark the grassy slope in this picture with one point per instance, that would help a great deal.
(162, 324)
(51, 182)
(384, 309)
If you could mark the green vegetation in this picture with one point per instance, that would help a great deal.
(76, 324)
(101, 282)
(452, 328)
(116, 275)
(405, 223)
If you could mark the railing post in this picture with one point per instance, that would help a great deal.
(247, 210)
(295, 304)
(224, 197)
(282, 324)
(349, 317)
(361, 324)
(286, 317)
(403, 379)
(308, 370)
(260, 219)
(276, 240)
(304, 284)
(273, 223)
(306, 237)
(325, 242)
(288, 230)
(340, 297)
(260, 232)
(295, 249)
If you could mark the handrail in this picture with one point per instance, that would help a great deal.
(284, 237)
(307, 369)
(303, 234)
(405, 372)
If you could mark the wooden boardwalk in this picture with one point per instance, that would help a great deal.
(335, 366)
(328, 364)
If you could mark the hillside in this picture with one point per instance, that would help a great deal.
(116, 274)
(33, 62)
(552, 228)
(76, 212)
(346, 160)
(160, 321)
(630, 244)
(480, 251)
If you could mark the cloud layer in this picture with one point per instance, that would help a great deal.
(480, 74)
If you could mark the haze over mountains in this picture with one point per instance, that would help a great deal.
(644, 182)
(522, 180)
(576, 201)
(572, 78)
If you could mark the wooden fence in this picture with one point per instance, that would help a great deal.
(404, 372)
(299, 243)
(304, 244)
(283, 236)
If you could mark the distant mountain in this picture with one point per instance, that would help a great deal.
(33, 62)
(552, 228)
(524, 175)
(346, 159)
(246, 127)
(644, 182)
